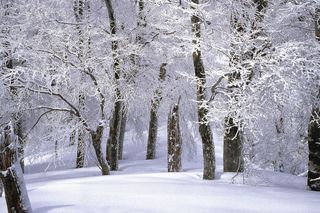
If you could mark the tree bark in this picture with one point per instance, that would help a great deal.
(81, 149)
(1, 188)
(122, 132)
(314, 131)
(11, 174)
(96, 141)
(174, 140)
(314, 151)
(204, 127)
(232, 147)
(114, 134)
(79, 9)
(153, 123)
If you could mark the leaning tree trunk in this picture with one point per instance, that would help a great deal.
(174, 140)
(204, 127)
(11, 173)
(314, 151)
(153, 123)
(96, 137)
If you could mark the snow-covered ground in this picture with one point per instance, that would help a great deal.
(145, 186)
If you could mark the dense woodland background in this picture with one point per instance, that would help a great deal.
(81, 73)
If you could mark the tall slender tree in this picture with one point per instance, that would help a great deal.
(115, 124)
(204, 126)
(153, 122)
(79, 7)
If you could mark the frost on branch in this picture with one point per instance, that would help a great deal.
(11, 173)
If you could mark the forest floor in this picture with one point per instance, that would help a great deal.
(146, 186)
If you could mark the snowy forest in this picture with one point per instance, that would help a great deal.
(160, 106)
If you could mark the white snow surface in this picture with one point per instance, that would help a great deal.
(146, 186)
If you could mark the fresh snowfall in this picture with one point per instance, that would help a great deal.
(155, 106)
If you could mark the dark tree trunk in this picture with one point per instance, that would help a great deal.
(72, 138)
(81, 147)
(113, 140)
(232, 147)
(174, 140)
(1, 188)
(122, 133)
(96, 141)
(314, 151)
(204, 127)
(19, 133)
(314, 131)
(114, 136)
(11, 174)
(153, 123)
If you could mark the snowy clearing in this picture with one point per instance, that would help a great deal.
(145, 186)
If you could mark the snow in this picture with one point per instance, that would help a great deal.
(146, 186)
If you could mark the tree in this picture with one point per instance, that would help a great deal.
(314, 129)
(79, 10)
(1, 188)
(11, 173)
(204, 126)
(115, 124)
(243, 27)
(9, 27)
(54, 75)
(174, 140)
(153, 123)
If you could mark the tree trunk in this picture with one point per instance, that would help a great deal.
(19, 133)
(204, 127)
(153, 123)
(1, 188)
(114, 136)
(113, 141)
(314, 131)
(81, 147)
(174, 140)
(278, 164)
(72, 138)
(122, 133)
(314, 151)
(78, 8)
(232, 147)
(96, 141)
(11, 174)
